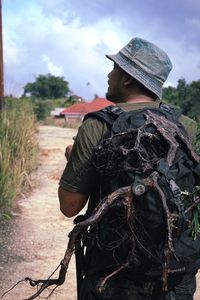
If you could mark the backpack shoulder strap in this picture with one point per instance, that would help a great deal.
(174, 115)
(108, 114)
(170, 110)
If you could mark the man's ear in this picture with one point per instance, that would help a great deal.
(127, 79)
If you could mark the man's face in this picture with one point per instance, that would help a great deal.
(114, 92)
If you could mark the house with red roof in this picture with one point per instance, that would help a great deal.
(79, 110)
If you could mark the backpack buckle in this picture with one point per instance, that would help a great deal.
(174, 188)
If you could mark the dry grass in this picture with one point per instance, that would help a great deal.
(18, 149)
(61, 122)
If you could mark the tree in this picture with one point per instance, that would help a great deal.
(170, 95)
(182, 90)
(193, 98)
(186, 96)
(47, 87)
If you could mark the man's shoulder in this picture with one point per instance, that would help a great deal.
(91, 131)
(93, 124)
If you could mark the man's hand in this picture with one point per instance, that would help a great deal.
(68, 151)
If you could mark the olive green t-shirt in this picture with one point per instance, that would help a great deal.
(79, 175)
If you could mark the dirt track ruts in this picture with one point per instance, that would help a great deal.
(35, 241)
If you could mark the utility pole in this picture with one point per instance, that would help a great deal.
(1, 60)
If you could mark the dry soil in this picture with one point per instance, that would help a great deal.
(34, 243)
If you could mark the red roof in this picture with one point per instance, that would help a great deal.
(86, 107)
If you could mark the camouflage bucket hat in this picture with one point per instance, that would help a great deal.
(145, 62)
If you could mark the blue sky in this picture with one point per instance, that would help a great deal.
(70, 38)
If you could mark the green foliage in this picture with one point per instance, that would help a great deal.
(197, 142)
(196, 222)
(47, 87)
(193, 199)
(72, 99)
(42, 109)
(170, 95)
(193, 100)
(187, 98)
(182, 92)
(18, 149)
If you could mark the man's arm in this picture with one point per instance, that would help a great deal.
(71, 203)
(78, 179)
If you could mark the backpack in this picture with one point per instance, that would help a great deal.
(147, 163)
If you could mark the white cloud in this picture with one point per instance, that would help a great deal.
(52, 68)
(194, 22)
(64, 49)
(11, 51)
(185, 59)
(40, 38)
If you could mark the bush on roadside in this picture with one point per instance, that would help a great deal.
(42, 108)
(18, 149)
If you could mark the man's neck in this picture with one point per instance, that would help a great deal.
(138, 98)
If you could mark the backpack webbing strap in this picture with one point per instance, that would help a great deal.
(197, 170)
(108, 114)
(163, 168)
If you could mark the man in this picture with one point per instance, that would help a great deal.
(139, 72)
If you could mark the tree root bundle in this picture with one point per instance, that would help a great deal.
(171, 134)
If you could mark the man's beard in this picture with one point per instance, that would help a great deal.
(113, 98)
(108, 96)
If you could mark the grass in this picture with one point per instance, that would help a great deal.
(18, 149)
(197, 142)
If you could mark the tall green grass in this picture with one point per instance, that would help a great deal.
(18, 149)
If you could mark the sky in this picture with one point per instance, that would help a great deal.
(69, 38)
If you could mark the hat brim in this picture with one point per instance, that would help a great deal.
(136, 72)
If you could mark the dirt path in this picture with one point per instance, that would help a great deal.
(35, 242)
(39, 231)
